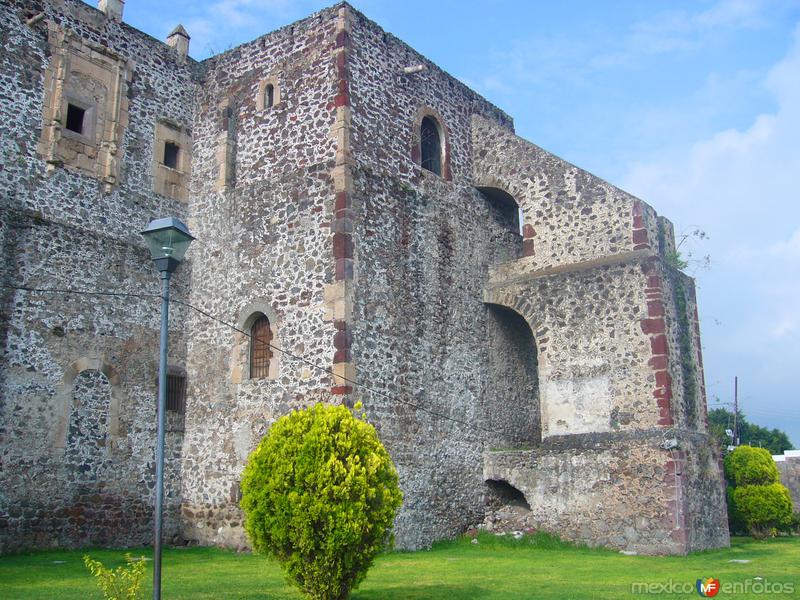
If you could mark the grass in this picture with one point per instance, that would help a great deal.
(538, 567)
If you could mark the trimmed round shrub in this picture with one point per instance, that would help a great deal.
(320, 494)
(736, 523)
(764, 508)
(750, 466)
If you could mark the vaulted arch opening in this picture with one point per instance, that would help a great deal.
(503, 208)
(511, 402)
(500, 493)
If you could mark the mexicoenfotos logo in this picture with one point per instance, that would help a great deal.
(708, 588)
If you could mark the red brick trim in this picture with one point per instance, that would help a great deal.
(528, 247)
(654, 326)
(639, 234)
(342, 97)
(342, 240)
(674, 469)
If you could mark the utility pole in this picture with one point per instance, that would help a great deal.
(736, 410)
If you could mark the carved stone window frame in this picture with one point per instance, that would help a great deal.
(169, 181)
(95, 151)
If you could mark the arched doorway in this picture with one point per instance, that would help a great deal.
(511, 403)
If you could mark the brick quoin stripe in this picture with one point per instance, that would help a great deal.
(342, 341)
(640, 238)
(655, 327)
(342, 223)
(528, 233)
(674, 468)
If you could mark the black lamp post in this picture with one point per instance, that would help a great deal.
(168, 240)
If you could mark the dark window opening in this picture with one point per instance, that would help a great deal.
(431, 146)
(75, 116)
(176, 393)
(503, 208)
(171, 151)
(260, 350)
(269, 95)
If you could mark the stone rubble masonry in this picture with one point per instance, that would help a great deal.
(788, 465)
(564, 361)
(77, 226)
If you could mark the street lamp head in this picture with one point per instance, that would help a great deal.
(168, 239)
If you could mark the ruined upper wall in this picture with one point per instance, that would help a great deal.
(570, 215)
(388, 105)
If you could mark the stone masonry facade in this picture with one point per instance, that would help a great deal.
(511, 323)
(788, 465)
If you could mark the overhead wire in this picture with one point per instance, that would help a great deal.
(302, 359)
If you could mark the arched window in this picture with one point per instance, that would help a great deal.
(260, 351)
(269, 95)
(431, 145)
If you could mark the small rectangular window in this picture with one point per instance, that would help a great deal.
(171, 151)
(269, 95)
(176, 393)
(75, 116)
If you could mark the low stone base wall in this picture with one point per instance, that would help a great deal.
(623, 491)
(93, 518)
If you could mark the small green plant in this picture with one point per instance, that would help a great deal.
(320, 494)
(122, 583)
(675, 259)
(757, 502)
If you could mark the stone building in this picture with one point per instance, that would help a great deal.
(788, 465)
(511, 322)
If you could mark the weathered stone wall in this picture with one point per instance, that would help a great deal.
(620, 490)
(263, 246)
(422, 245)
(70, 475)
(788, 465)
(617, 331)
(564, 361)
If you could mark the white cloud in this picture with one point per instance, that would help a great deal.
(681, 31)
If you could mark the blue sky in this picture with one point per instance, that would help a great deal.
(692, 106)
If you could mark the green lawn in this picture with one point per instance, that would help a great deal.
(534, 567)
